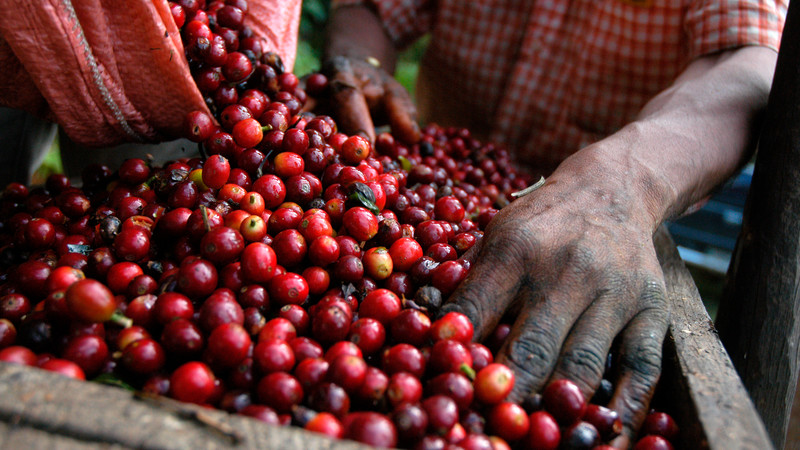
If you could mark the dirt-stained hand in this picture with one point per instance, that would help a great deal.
(363, 94)
(578, 269)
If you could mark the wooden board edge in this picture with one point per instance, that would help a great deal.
(704, 382)
(39, 407)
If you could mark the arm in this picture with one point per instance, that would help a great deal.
(360, 58)
(576, 257)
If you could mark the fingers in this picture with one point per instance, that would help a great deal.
(347, 101)
(532, 347)
(401, 112)
(583, 355)
(494, 280)
(640, 364)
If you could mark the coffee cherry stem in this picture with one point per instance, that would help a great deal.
(529, 189)
(121, 319)
(468, 371)
(204, 212)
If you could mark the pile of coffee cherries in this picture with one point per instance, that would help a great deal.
(292, 273)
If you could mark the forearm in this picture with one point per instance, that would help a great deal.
(356, 32)
(686, 140)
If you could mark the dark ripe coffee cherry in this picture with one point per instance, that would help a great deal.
(449, 355)
(382, 305)
(403, 358)
(144, 357)
(8, 333)
(442, 413)
(653, 442)
(197, 277)
(370, 428)
(411, 422)
(454, 385)
(87, 351)
(14, 307)
(403, 388)
(509, 421)
(347, 371)
(90, 301)
(543, 432)
(564, 400)
(198, 126)
(603, 393)
(660, 423)
(222, 245)
(605, 420)
(230, 17)
(237, 68)
(63, 367)
(228, 345)
(410, 326)
(192, 382)
(331, 324)
(311, 372)
(316, 83)
(280, 391)
(581, 436)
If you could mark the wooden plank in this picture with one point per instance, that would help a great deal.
(701, 379)
(39, 409)
(758, 317)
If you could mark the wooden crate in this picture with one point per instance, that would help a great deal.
(39, 409)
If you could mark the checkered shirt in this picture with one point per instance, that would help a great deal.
(548, 77)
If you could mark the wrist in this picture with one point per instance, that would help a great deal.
(356, 32)
(620, 181)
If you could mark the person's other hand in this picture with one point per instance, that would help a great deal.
(576, 266)
(363, 94)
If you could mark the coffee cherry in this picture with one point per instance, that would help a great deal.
(544, 433)
(370, 428)
(90, 301)
(653, 442)
(192, 382)
(493, 383)
(216, 171)
(564, 400)
(198, 126)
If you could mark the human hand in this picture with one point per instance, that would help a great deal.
(576, 265)
(361, 91)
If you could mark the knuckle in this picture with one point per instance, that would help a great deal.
(582, 257)
(584, 365)
(532, 353)
(653, 297)
(508, 241)
(644, 363)
(469, 302)
(336, 65)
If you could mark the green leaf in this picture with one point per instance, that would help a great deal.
(405, 163)
(113, 380)
(362, 194)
